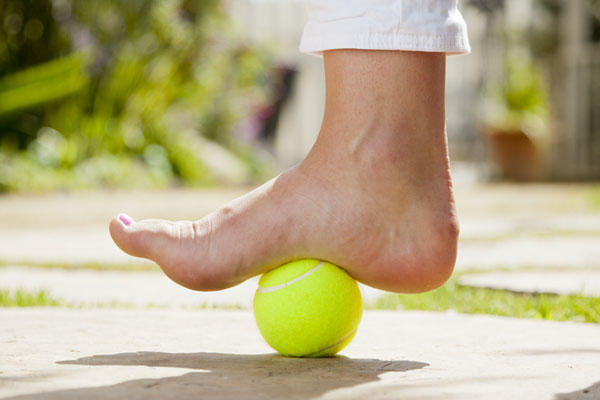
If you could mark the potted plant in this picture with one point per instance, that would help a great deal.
(514, 121)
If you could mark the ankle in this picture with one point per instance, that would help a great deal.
(402, 152)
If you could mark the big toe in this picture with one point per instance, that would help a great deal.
(144, 238)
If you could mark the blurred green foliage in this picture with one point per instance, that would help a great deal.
(516, 92)
(595, 198)
(521, 98)
(139, 93)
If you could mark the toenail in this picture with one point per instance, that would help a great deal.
(126, 219)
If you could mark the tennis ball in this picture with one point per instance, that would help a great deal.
(307, 308)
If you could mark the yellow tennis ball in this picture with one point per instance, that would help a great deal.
(307, 308)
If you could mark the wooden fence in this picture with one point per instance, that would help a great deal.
(577, 150)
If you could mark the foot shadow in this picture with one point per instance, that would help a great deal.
(230, 376)
(590, 392)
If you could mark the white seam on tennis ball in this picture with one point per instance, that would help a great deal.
(335, 344)
(288, 283)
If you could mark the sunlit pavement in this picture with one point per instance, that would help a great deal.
(186, 352)
(176, 354)
(547, 227)
(131, 289)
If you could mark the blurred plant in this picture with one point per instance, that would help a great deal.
(29, 34)
(151, 91)
(520, 101)
(515, 100)
(594, 7)
(41, 84)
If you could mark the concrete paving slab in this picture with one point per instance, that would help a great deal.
(578, 282)
(524, 199)
(71, 245)
(499, 227)
(505, 226)
(563, 252)
(73, 227)
(92, 244)
(90, 287)
(153, 354)
(78, 209)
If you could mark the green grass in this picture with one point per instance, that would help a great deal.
(42, 298)
(595, 198)
(450, 297)
(468, 300)
(23, 298)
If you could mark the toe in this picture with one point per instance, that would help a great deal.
(143, 238)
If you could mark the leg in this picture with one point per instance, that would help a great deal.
(373, 195)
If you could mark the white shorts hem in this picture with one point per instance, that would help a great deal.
(449, 44)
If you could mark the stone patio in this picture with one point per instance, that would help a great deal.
(184, 352)
(502, 226)
(138, 289)
(570, 282)
(131, 354)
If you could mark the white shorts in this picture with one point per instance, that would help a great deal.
(413, 25)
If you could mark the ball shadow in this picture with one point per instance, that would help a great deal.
(230, 376)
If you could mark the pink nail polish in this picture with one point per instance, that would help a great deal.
(126, 219)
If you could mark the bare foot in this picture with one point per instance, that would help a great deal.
(373, 196)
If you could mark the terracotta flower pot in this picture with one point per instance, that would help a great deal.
(515, 154)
